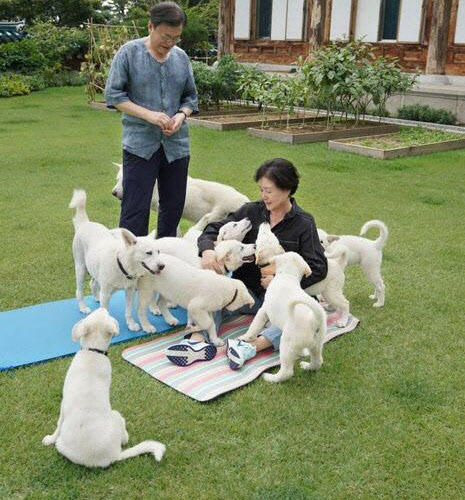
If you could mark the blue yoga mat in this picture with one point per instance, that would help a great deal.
(43, 331)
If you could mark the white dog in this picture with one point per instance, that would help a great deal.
(230, 231)
(206, 200)
(113, 263)
(364, 252)
(88, 431)
(300, 317)
(331, 288)
(199, 291)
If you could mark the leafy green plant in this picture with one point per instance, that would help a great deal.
(13, 85)
(425, 113)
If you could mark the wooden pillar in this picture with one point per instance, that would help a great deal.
(317, 24)
(437, 46)
(224, 27)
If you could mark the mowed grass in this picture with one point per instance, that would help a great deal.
(383, 418)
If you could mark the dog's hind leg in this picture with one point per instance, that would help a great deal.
(316, 354)
(337, 299)
(203, 320)
(120, 424)
(287, 358)
(374, 276)
(52, 438)
(80, 270)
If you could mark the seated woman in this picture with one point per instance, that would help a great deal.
(296, 231)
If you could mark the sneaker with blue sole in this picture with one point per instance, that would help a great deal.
(238, 352)
(189, 351)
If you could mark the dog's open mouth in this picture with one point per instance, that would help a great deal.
(153, 271)
(248, 258)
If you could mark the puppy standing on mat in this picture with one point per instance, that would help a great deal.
(88, 431)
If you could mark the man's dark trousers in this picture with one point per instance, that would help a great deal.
(139, 176)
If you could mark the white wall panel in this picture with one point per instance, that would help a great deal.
(340, 19)
(367, 20)
(278, 20)
(242, 20)
(460, 28)
(409, 21)
(295, 19)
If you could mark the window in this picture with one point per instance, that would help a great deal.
(264, 8)
(390, 19)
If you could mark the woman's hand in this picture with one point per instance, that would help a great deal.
(209, 262)
(267, 273)
(158, 118)
(266, 280)
(175, 124)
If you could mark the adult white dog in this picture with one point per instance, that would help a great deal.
(206, 200)
(331, 288)
(89, 432)
(113, 263)
(300, 317)
(364, 252)
(200, 291)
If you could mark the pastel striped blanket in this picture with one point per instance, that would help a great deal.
(203, 381)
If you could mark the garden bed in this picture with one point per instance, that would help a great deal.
(319, 131)
(406, 142)
(240, 121)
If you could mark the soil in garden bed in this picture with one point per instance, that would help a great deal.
(234, 109)
(411, 136)
(245, 117)
(319, 125)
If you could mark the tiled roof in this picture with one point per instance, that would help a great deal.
(9, 32)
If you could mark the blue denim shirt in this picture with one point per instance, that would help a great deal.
(135, 75)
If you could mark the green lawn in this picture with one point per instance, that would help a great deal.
(383, 418)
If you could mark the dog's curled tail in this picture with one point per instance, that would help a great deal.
(383, 232)
(154, 447)
(340, 254)
(78, 201)
(316, 308)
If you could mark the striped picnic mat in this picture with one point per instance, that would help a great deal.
(207, 380)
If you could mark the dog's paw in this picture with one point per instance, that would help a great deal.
(172, 321)
(372, 296)
(305, 365)
(148, 328)
(85, 309)
(171, 305)
(269, 377)
(48, 440)
(378, 304)
(155, 310)
(159, 451)
(133, 326)
(341, 323)
(218, 342)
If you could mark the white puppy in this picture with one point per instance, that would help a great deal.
(88, 431)
(364, 252)
(331, 288)
(113, 263)
(210, 201)
(300, 317)
(199, 291)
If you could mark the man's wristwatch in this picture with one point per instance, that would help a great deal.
(183, 112)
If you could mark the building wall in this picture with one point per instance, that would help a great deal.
(348, 19)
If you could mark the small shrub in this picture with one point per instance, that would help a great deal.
(13, 85)
(425, 113)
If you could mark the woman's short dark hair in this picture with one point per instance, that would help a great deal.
(167, 13)
(282, 172)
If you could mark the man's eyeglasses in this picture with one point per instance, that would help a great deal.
(170, 39)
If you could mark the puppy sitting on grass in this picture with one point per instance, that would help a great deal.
(89, 432)
(300, 318)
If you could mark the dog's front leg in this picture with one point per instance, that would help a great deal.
(167, 316)
(132, 325)
(52, 438)
(145, 296)
(80, 271)
(257, 325)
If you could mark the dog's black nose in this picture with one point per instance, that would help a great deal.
(114, 193)
(161, 266)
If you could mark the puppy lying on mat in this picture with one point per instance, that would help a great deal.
(89, 432)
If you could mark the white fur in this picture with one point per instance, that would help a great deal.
(96, 250)
(364, 252)
(300, 317)
(88, 431)
(199, 291)
(331, 287)
(206, 200)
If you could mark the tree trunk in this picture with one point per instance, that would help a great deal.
(438, 38)
(317, 23)
(224, 27)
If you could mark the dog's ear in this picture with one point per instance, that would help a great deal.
(79, 330)
(113, 326)
(332, 238)
(128, 238)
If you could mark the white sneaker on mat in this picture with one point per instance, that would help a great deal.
(189, 351)
(238, 352)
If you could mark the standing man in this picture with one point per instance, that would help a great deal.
(152, 83)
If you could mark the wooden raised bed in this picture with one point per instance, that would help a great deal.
(386, 154)
(317, 132)
(238, 121)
